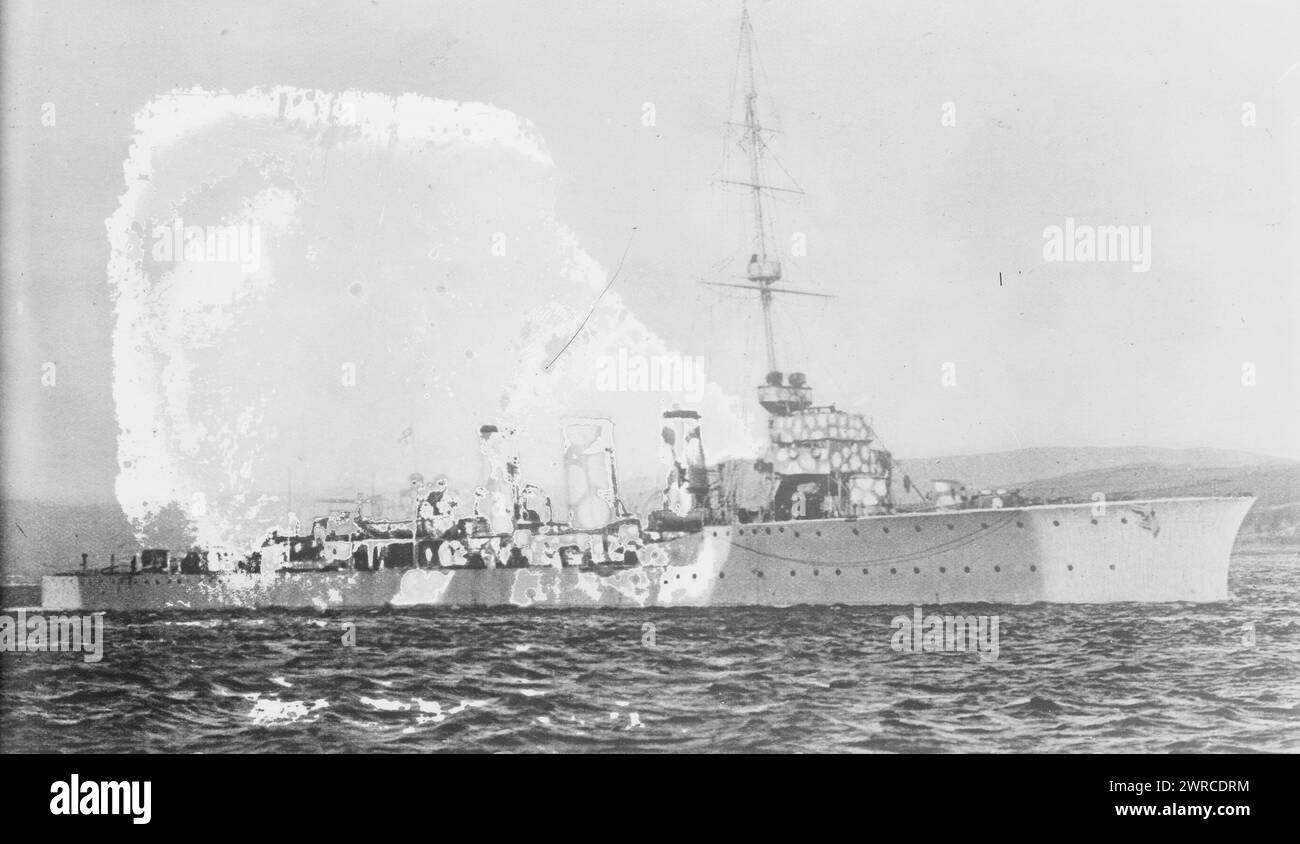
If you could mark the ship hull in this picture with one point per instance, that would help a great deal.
(1141, 551)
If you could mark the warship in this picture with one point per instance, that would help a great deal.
(819, 519)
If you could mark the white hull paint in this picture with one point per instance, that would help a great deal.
(1155, 550)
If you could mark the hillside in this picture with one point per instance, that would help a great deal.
(1274, 518)
(37, 537)
(1008, 468)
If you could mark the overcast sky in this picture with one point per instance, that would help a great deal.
(1181, 117)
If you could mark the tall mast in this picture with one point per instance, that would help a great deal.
(761, 271)
(753, 130)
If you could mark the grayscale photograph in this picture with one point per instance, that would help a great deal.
(673, 377)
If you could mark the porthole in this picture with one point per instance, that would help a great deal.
(1112, 567)
(792, 572)
(1020, 524)
(855, 531)
(759, 573)
(796, 534)
(819, 533)
(816, 572)
(886, 530)
(1070, 568)
(984, 525)
(693, 576)
(893, 571)
(837, 572)
(966, 569)
(915, 570)
(950, 527)
(997, 568)
(1123, 521)
(769, 531)
(1033, 568)
(1094, 521)
(1055, 523)
(721, 575)
(918, 528)
(942, 570)
(865, 571)
(780, 530)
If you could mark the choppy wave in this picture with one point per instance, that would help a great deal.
(1167, 678)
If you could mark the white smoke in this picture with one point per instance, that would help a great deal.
(410, 274)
